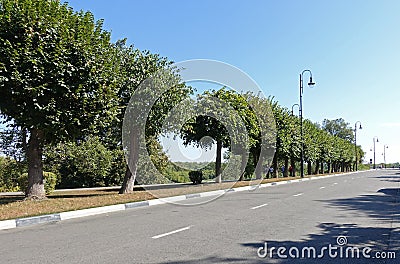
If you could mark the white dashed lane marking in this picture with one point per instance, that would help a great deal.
(260, 206)
(172, 232)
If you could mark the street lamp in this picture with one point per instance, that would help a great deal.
(377, 140)
(310, 83)
(355, 142)
(294, 106)
(384, 154)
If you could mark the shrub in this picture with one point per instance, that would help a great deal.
(50, 181)
(10, 170)
(196, 176)
(81, 164)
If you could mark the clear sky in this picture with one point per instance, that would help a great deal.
(351, 46)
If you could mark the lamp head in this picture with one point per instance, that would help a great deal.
(311, 83)
(360, 126)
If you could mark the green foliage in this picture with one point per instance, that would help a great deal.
(82, 164)
(330, 144)
(339, 128)
(176, 173)
(50, 181)
(57, 75)
(55, 65)
(152, 173)
(13, 141)
(10, 170)
(118, 167)
(196, 176)
(234, 109)
(366, 166)
(288, 132)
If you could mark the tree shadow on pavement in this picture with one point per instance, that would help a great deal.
(384, 205)
(389, 178)
(375, 238)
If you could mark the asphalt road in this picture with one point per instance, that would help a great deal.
(363, 208)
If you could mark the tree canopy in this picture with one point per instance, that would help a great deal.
(57, 76)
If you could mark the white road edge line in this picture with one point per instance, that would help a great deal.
(299, 194)
(172, 232)
(256, 207)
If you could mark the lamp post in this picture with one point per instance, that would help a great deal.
(377, 140)
(355, 142)
(310, 83)
(294, 106)
(384, 154)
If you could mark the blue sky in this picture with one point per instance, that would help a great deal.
(352, 48)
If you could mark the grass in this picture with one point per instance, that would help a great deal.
(16, 207)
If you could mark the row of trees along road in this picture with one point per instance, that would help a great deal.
(327, 147)
(63, 80)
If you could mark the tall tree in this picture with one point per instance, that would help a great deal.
(207, 125)
(233, 121)
(152, 88)
(338, 127)
(56, 75)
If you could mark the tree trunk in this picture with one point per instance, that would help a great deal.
(293, 164)
(258, 164)
(329, 167)
(131, 169)
(218, 163)
(275, 173)
(35, 189)
(285, 173)
(316, 167)
(243, 167)
(309, 169)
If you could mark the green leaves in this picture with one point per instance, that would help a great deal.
(55, 65)
(331, 144)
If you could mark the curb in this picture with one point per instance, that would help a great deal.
(57, 217)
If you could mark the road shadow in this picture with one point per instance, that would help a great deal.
(389, 178)
(378, 239)
(384, 205)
